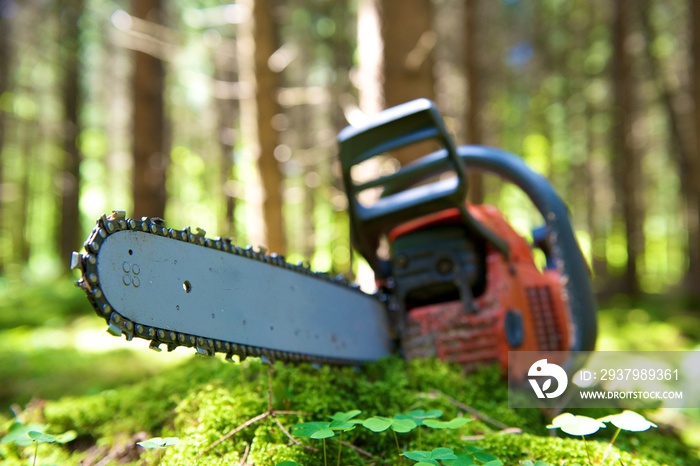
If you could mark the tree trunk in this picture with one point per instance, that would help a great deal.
(402, 31)
(71, 95)
(682, 146)
(150, 149)
(693, 276)
(258, 42)
(624, 151)
(226, 109)
(473, 117)
(5, 54)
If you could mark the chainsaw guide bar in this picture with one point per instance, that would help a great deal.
(180, 288)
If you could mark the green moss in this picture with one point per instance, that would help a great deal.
(205, 399)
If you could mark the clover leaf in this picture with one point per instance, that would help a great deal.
(419, 415)
(344, 421)
(380, 424)
(158, 443)
(323, 430)
(629, 420)
(574, 424)
(452, 424)
(431, 457)
(315, 430)
(24, 435)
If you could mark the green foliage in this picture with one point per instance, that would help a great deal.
(44, 303)
(24, 435)
(205, 399)
(583, 425)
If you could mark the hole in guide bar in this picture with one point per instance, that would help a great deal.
(131, 252)
(187, 286)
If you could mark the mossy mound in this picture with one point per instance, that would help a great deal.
(205, 399)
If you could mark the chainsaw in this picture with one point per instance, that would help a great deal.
(454, 280)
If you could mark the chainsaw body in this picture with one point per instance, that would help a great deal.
(464, 285)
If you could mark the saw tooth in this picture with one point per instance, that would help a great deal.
(155, 346)
(117, 215)
(76, 261)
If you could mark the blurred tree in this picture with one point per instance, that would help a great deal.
(68, 219)
(5, 63)
(692, 280)
(474, 114)
(399, 39)
(257, 42)
(628, 171)
(682, 147)
(409, 39)
(225, 74)
(149, 145)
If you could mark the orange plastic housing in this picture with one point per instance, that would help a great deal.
(514, 285)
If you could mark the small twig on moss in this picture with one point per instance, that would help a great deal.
(246, 452)
(508, 431)
(474, 412)
(260, 417)
(358, 450)
(282, 428)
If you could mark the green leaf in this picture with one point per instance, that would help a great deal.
(41, 437)
(432, 457)
(463, 459)
(419, 415)
(377, 423)
(346, 416)
(316, 430)
(453, 424)
(19, 433)
(323, 433)
(66, 437)
(402, 425)
(416, 455)
(495, 462)
(344, 421)
(380, 424)
(629, 420)
(158, 442)
(485, 457)
(287, 463)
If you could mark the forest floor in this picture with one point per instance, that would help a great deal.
(58, 367)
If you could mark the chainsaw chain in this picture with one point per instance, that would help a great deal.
(118, 325)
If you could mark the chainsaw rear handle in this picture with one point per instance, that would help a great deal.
(560, 237)
(394, 128)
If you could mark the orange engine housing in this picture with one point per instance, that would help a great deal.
(518, 307)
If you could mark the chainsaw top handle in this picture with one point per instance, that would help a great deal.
(392, 129)
(414, 191)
